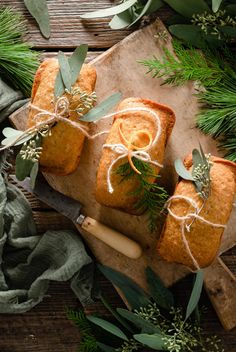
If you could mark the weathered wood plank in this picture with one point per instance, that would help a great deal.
(67, 29)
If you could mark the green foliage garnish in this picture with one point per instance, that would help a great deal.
(200, 175)
(27, 160)
(218, 117)
(216, 72)
(196, 23)
(18, 63)
(127, 13)
(149, 325)
(39, 10)
(229, 144)
(151, 196)
(88, 342)
(69, 69)
(189, 65)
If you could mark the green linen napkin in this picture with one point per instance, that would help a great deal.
(29, 262)
(10, 100)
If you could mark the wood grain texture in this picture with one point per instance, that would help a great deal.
(67, 29)
(222, 292)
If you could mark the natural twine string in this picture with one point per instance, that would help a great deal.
(61, 108)
(191, 216)
(139, 153)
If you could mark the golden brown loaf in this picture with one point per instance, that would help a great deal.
(134, 121)
(62, 150)
(203, 239)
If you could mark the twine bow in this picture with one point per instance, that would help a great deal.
(60, 110)
(129, 149)
(191, 216)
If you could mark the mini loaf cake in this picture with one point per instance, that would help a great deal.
(61, 151)
(203, 237)
(147, 122)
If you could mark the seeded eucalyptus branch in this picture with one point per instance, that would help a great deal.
(200, 174)
(149, 325)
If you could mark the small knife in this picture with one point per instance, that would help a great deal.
(72, 209)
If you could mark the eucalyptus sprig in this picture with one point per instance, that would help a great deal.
(69, 69)
(197, 23)
(150, 196)
(150, 325)
(200, 174)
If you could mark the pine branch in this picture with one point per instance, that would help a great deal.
(229, 144)
(18, 63)
(188, 64)
(88, 342)
(151, 196)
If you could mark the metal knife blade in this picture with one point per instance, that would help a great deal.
(65, 205)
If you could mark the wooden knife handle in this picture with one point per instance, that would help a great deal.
(112, 238)
(220, 284)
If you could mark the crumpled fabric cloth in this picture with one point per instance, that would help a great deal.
(10, 100)
(28, 262)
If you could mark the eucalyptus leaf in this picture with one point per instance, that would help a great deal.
(122, 20)
(154, 6)
(182, 171)
(138, 321)
(110, 11)
(115, 314)
(105, 348)
(231, 10)
(191, 34)
(76, 61)
(134, 295)
(59, 85)
(12, 134)
(39, 10)
(148, 8)
(215, 5)
(197, 158)
(188, 8)
(106, 325)
(23, 167)
(162, 296)
(33, 174)
(102, 109)
(196, 293)
(229, 31)
(65, 70)
(154, 341)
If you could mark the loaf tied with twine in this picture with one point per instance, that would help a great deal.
(192, 232)
(140, 129)
(61, 151)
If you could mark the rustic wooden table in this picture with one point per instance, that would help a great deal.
(46, 328)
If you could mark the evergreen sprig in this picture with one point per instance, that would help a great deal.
(151, 196)
(88, 342)
(18, 63)
(151, 324)
(186, 65)
(215, 73)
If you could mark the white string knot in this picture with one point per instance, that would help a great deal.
(123, 151)
(131, 150)
(190, 216)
